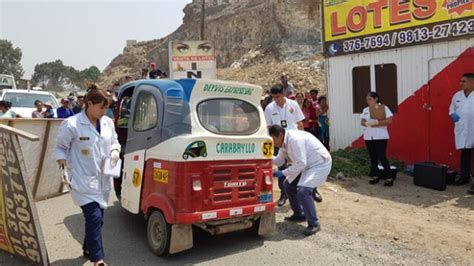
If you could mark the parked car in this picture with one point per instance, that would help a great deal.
(23, 100)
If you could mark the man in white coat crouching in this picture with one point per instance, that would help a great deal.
(310, 166)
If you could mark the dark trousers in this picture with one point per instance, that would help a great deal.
(466, 163)
(93, 215)
(280, 179)
(301, 201)
(118, 187)
(377, 152)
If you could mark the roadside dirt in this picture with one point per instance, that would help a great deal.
(435, 223)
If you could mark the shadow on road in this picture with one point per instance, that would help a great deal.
(8, 259)
(77, 261)
(404, 191)
(125, 241)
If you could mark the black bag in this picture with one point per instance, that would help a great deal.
(430, 175)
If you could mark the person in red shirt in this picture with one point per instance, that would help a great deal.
(313, 113)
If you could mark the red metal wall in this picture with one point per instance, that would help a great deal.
(418, 134)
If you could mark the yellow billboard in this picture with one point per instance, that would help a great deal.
(352, 26)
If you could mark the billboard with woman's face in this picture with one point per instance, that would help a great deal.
(192, 59)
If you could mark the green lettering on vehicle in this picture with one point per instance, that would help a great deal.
(227, 89)
(235, 148)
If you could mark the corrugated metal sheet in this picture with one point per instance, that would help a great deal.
(415, 66)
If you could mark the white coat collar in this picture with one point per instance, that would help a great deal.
(84, 120)
(285, 140)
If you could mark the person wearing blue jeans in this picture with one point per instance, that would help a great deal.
(92, 246)
(301, 202)
(83, 142)
(286, 113)
(311, 164)
(283, 197)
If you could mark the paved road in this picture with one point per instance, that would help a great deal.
(126, 243)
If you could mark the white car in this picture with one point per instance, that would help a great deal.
(23, 101)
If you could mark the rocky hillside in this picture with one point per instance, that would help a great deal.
(247, 33)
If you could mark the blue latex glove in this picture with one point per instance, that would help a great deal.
(455, 117)
(278, 173)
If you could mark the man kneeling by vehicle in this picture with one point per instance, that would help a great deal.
(311, 164)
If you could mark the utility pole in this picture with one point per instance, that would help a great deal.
(203, 15)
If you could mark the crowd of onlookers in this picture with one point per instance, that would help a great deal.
(313, 107)
(70, 106)
(74, 104)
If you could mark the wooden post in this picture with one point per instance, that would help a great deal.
(41, 161)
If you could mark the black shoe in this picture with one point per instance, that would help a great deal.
(311, 230)
(295, 218)
(461, 181)
(316, 196)
(282, 200)
(374, 181)
(471, 190)
(389, 182)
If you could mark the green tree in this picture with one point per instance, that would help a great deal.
(55, 76)
(10, 58)
(91, 74)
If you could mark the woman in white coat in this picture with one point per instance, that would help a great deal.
(84, 142)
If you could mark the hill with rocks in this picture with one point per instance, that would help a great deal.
(255, 41)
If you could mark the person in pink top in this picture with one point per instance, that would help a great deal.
(307, 109)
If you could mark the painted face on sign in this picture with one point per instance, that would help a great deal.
(195, 48)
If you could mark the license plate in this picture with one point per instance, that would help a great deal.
(265, 197)
(160, 175)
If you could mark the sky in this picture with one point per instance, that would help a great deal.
(84, 33)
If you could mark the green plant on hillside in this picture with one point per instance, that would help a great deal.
(355, 162)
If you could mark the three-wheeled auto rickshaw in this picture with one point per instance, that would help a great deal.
(196, 153)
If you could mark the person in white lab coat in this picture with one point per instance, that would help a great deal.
(286, 113)
(461, 111)
(84, 142)
(311, 165)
